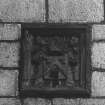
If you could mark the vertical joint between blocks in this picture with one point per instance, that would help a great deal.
(47, 10)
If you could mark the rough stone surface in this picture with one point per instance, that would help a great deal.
(92, 102)
(55, 101)
(76, 10)
(8, 82)
(98, 84)
(62, 101)
(98, 32)
(9, 101)
(10, 31)
(9, 54)
(36, 101)
(98, 55)
(22, 10)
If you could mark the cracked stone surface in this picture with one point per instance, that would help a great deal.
(76, 11)
(98, 55)
(8, 82)
(98, 84)
(9, 54)
(22, 10)
(98, 32)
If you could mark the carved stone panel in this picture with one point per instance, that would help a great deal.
(54, 59)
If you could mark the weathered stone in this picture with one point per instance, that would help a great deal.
(8, 82)
(36, 101)
(10, 31)
(98, 32)
(92, 102)
(76, 10)
(9, 101)
(98, 55)
(9, 54)
(22, 10)
(98, 84)
(62, 101)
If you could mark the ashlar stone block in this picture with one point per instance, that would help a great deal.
(98, 32)
(10, 31)
(76, 11)
(36, 101)
(8, 82)
(9, 101)
(9, 54)
(98, 84)
(98, 55)
(22, 10)
(92, 102)
(63, 101)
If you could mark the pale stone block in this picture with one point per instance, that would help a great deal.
(98, 55)
(9, 54)
(98, 32)
(9, 101)
(36, 101)
(63, 101)
(76, 11)
(8, 82)
(10, 31)
(92, 102)
(98, 84)
(22, 10)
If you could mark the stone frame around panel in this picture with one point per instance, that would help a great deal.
(82, 92)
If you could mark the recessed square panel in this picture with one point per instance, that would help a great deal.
(54, 61)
